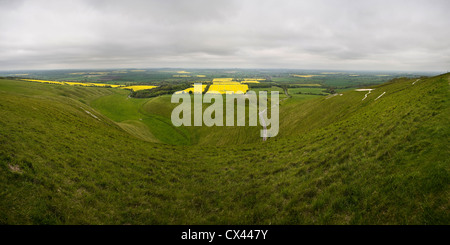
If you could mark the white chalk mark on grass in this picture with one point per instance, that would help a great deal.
(415, 81)
(365, 89)
(14, 168)
(365, 96)
(380, 95)
(89, 113)
(332, 95)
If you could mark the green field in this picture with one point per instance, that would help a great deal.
(86, 155)
(316, 91)
(166, 76)
(132, 118)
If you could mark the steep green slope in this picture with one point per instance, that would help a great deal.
(130, 116)
(52, 91)
(60, 164)
(344, 161)
(161, 107)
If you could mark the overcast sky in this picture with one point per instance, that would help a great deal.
(351, 35)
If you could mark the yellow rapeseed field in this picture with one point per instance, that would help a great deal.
(224, 88)
(74, 83)
(254, 79)
(250, 81)
(227, 83)
(104, 85)
(191, 89)
(92, 84)
(223, 79)
(42, 81)
(77, 84)
(138, 87)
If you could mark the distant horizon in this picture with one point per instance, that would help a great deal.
(235, 68)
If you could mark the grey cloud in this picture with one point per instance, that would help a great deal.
(399, 35)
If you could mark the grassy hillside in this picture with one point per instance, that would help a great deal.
(337, 160)
(128, 113)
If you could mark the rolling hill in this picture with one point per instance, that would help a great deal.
(70, 155)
